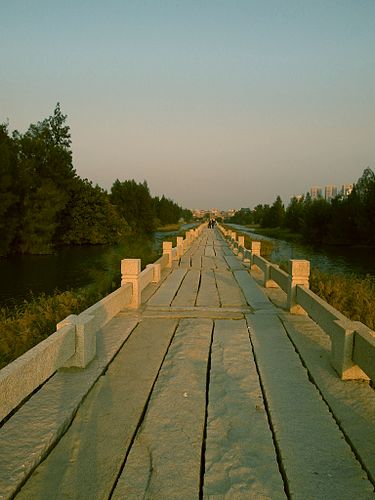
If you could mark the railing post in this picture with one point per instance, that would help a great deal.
(130, 271)
(85, 340)
(299, 273)
(180, 246)
(255, 250)
(342, 343)
(156, 272)
(241, 246)
(167, 249)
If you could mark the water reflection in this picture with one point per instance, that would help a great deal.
(332, 259)
(68, 268)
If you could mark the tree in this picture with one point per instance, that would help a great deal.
(294, 215)
(45, 179)
(274, 216)
(8, 190)
(134, 203)
(90, 218)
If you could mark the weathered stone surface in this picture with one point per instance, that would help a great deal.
(240, 458)
(168, 289)
(352, 402)
(317, 461)
(229, 292)
(208, 294)
(187, 293)
(253, 294)
(165, 460)
(87, 460)
(29, 435)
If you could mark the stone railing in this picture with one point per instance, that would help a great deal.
(352, 342)
(73, 344)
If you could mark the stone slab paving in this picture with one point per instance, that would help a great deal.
(86, 462)
(168, 289)
(187, 293)
(240, 458)
(316, 459)
(165, 459)
(352, 402)
(229, 292)
(29, 435)
(208, 295)
(144, 430)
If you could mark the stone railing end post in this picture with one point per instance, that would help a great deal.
(130, 271)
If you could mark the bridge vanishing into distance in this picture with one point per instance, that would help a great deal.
(201, 377)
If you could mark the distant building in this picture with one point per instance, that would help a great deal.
(330, 192)
(316, 192)
(346, 189)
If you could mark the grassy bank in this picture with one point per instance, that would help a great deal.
(25, 325)
(351, 295)
(279, 233)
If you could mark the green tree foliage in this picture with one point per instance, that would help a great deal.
(344, 220)
(166, 210)
(274, 215)
(8, 190)
(134, 203)
(44, 203)
(90, 218)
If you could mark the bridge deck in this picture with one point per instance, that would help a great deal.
(214, 391)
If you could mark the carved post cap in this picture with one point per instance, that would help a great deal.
(167, 246)
(130, 267)
(255, 247)
(299, 268)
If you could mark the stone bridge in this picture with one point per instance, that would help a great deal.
(204, 386)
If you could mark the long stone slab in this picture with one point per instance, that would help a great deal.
(229, 292)
(233, 262)
(352, 402)
(208, 293)
(240, 458)
(87, 460)
(255, 297)
(168, 289)
(316, 459)
(187, 293)
(29, 435)
(165, 459)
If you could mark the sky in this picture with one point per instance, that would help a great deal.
(214, 103)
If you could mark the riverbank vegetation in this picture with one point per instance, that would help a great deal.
(44, 204)
(27, 324)
(344, 220)
(352, 295)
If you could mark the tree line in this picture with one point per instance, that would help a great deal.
(44, 204)
(344, 220)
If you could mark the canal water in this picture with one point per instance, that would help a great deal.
(23, 275)
(332, 259)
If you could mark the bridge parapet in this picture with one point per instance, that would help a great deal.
(352, 342)
(73, 344)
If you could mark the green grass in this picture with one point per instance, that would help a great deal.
(353, 296)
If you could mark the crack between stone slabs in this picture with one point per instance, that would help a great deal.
(71, 418)
(217, 289)
(312, 381)
(179, 287)
(198, 289)
(270, 424)
(24, 401)
(204, 440)
(142, 417)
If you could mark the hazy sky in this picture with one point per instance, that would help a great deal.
(215, 103)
